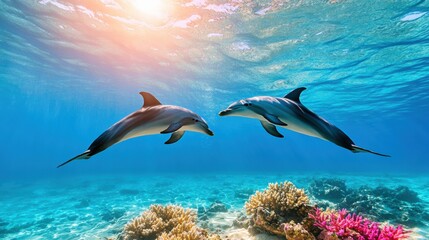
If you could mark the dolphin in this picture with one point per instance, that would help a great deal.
(288, 112)
(152, 118)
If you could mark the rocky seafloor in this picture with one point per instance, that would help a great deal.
(99, 207)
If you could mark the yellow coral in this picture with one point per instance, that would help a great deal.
(279, 197)
(297, 232)
(165, 223)
(280, 203)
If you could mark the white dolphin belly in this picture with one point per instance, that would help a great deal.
(144, 130)
(299, 126)
(295, 122)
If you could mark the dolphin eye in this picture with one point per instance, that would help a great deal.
(196, 120)
(246, 104)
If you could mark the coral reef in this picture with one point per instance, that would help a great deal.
(285, 210)
(188, 232)
(343, 225)
(381, 203)
(279, 204)
(399, 205)
(165, 223)
(297, 232)
(328, 189)
(278, 212)
(278, 197)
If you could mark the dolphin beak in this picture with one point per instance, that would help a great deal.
(209, 132)
(206, 129)
(224, 112)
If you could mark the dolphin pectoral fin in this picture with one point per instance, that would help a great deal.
(294, 95)
(84, 155)
(177, 125)
(173, 127)
(269, 117)
(176, 136)
(271, 129)
(357, 149)
(273, 119)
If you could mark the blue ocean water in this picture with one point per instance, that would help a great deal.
(71, 69)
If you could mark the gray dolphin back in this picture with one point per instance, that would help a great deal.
(327, 130)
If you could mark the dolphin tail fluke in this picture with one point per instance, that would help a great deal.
(357, 149)
(84, 155)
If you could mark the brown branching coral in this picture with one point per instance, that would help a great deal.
(278, 197)
(281, 203)
(297, 232)
(165, 223)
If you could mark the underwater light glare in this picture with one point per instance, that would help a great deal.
(151, 8)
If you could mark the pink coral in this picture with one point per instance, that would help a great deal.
(343, 225)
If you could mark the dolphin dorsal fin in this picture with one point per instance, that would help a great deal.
(294, 95)
(149, 100)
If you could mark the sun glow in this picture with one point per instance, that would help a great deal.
(157, 9)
